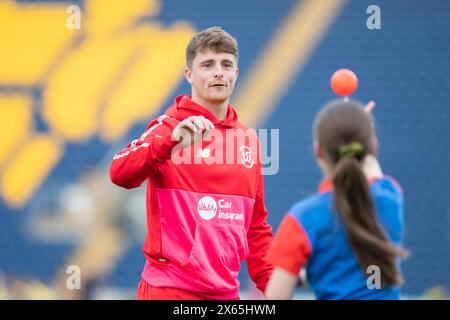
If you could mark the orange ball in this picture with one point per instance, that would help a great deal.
(344, 82)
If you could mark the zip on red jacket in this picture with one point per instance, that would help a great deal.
(204, 215)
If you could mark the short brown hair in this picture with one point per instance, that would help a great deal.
(214, 38)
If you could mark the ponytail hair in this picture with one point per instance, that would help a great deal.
(353, 202)
(345, 132)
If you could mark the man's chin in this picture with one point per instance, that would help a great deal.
(218, 98)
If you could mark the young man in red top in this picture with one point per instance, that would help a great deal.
(205, 189)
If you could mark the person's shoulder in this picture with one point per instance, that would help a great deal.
(163, 118)
(313, 213)
(159, 124)
(387, 192)
(388, 185)
(312, 206)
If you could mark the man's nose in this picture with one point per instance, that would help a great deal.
(218, 72)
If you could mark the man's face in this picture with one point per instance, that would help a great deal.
(212, 75)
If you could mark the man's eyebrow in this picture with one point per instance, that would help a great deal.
(228, 60)
(207, 61)
(222, 61)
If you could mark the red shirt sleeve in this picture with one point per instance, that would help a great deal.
(143, 157)
(291, 247)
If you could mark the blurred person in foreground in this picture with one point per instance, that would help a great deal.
(348, 235)
(204, 216)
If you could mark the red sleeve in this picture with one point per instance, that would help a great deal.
(143, 157)
(291, 247)
(259, 239)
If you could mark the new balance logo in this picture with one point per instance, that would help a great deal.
(203, 153)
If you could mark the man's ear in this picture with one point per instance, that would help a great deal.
(237, 73)
(188, 74)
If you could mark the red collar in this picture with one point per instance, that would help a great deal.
(183, 107)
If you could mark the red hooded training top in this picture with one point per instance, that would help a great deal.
(205, 203)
